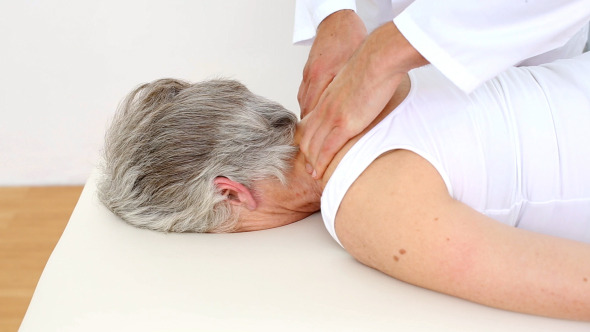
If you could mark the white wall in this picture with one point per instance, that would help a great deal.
(65, 65)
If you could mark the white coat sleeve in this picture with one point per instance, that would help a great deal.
(472, 41)
(310, 13)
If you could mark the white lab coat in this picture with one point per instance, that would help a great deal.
(468, 41)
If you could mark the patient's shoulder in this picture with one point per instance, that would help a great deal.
(397, 186)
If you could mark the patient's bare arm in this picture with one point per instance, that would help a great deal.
(417, 233)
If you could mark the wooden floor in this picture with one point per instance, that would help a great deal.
(31, 221)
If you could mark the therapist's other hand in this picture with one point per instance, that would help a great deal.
(357, 95)
(337, 38)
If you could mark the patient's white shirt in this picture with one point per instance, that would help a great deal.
(517, 149)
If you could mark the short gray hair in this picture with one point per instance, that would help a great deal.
(170, 139)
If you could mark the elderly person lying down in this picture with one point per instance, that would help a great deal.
(483, 196)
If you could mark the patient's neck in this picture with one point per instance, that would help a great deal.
(279, 204)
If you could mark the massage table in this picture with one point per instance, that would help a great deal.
(105, 275)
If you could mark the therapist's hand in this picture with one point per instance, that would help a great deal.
(337, 38)
(357, 94)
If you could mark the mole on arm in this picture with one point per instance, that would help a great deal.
(402, 251)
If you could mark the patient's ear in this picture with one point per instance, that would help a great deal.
(235, 192)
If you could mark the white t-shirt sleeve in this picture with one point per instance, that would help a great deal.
(310, 13)
(472, 41)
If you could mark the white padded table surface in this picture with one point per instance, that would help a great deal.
(105, 275)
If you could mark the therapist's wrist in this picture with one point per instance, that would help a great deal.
(390, 52)
(337, 19)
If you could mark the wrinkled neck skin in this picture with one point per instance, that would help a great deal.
(279, 205)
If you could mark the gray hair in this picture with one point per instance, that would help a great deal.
(170, 139)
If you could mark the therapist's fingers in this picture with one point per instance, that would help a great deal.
(301, 94)
(334, 140)
(308, 127)
(325, 131)
(314, 89)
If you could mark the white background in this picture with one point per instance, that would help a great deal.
(65, 65)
